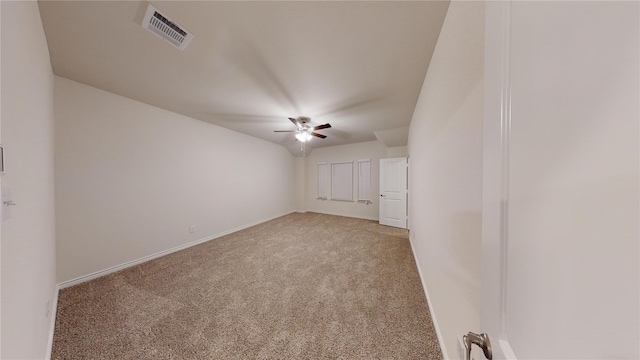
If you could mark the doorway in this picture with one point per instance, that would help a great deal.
(393, 192)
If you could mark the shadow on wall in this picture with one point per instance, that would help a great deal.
(449, 111)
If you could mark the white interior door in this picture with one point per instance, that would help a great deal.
(393, 192)
(560, 183)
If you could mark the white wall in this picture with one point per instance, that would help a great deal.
(573, 273)
(301, 184)
(131, 178)
(445, 174)
(397, 151)
(373, 150)
(28, 237)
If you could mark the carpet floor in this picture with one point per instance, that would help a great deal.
(302, 286)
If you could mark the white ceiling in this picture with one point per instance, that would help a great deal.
(356, 65)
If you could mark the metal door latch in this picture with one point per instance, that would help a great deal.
(482, 340)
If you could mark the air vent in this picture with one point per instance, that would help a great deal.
(164, 27)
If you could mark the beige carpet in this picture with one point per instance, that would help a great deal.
(303, 286)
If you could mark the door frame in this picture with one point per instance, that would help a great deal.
(406, 191)
(495, 179)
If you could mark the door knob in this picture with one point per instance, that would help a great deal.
(482, 340)
(381, 195)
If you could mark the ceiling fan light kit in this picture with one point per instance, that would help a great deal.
(304, 131)
(303, 136)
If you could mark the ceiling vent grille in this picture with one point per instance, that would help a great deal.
(165, 28)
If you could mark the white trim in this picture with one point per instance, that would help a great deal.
(345, 215)
(505, 125)
(443, 349)
(107, 271)
(52, 322)
(495, 174)
(507, 351)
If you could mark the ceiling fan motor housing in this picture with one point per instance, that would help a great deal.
(303, 119)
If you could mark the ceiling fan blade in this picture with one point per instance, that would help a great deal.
(320, 127)
(318, 135)
(285, 130)
(295, 122)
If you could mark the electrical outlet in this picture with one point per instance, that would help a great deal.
(192, 229)
(48, 308)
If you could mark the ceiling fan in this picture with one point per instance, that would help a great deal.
(304, 131)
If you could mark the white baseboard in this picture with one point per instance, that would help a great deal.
(107, 271)
(426, 293)
(52, 324)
